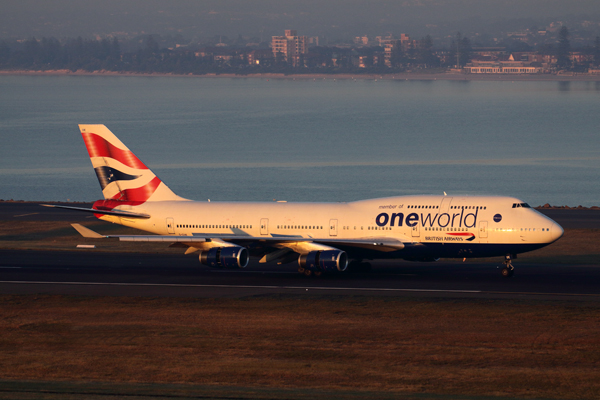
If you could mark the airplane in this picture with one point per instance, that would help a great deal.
(320, 237)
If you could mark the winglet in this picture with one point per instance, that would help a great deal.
(86, 232)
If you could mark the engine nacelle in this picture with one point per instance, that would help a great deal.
(324, 260)
(225, 257)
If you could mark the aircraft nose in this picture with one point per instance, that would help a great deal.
(556, 231)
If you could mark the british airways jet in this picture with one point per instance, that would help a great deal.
(320, 237)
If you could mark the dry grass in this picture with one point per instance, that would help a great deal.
(464, 347)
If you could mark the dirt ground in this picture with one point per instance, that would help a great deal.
(454, 347)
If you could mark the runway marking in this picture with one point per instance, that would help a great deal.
(251, 272)
(25, 215)
(244, 286)
(281, 272)
(307, 288)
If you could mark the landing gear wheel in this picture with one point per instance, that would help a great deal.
(308, 272)
(317, 274)
(301, 270)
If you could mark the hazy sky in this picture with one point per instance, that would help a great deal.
(331, 18)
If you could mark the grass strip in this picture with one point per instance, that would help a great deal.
(332, 343)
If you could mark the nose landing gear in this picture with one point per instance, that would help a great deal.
(508, 269)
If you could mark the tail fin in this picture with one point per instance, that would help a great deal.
(122, 176)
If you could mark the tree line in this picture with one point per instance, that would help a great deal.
(106, 55)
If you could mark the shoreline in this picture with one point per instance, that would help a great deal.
(406, 76)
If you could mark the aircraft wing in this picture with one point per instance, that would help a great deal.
(294, 243)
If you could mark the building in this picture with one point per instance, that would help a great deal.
(520, 63)
(499, 68)
(361, 40)
(393, 47)
(260, 57)
(290, 47)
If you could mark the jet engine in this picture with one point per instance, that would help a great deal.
(225, 257)
(324, 260)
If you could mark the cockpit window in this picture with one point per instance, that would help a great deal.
(518, 205)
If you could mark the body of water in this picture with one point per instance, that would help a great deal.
(307, 140)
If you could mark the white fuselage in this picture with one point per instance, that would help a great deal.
(447, 226)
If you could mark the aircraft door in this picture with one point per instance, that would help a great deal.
(445, 204)
(483, 232)
(170, 225)
(264, 226)
(416, 232)
(333, 225)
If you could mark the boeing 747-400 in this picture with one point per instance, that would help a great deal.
(320, 237)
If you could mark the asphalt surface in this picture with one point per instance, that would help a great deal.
(21, 211)
(87, 272)
(127, 274)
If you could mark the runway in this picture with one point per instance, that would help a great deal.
(126, 274)
(91, 272)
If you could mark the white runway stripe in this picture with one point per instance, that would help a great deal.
(243, 286)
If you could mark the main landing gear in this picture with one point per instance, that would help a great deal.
(310, 272)
(508, 269)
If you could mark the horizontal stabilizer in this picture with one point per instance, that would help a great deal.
(118, 213)
(87, 232)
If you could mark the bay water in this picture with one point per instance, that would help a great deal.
(260, 139)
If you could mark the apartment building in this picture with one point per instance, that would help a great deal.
(290, 46)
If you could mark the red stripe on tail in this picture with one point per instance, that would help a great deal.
(97, 146)
(140, 194)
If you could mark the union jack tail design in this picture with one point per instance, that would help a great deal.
(122, 176)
